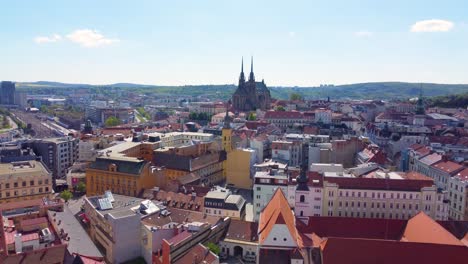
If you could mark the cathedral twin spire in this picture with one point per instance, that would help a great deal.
(251, 76)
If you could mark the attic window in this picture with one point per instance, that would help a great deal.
(284, 239)
(274, 238)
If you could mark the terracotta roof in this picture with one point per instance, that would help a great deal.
(198, 254)
(368, 251)
(413, 175)
(347, 227)
(379, 184)
(283, 115)
(422, 229)
(423, 151)
(416, 146)
(34, 221)
(277, 211)
(448, 166)
(463, 174)
(242, 230)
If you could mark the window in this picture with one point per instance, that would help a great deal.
(15, 184)
(259, 188)
(31, 183)
(302, 198)
(24, 184)
(7, 185)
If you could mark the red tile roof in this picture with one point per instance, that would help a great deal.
(242, 230)
(197, 255)
(448, 166)
(422, 229)
(371, 228)
(368, 251)
(379, 184)
(283, 115)
(34, 221)
(463, 174)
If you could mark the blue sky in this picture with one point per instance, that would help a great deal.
(201, 42)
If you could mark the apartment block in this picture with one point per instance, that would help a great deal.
(24, 180)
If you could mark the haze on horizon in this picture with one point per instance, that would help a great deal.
(300, 43)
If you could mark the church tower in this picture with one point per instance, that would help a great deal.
(226, 135)
(302, 179)
(226, 132)
(251, 75)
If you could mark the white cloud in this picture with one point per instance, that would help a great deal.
(432, 25)
(42, 39)
(90, 38)
(292, 34)
(363, 33)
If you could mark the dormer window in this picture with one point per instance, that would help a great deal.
(113, 167)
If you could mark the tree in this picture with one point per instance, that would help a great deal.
(5, 122)
(81, 187)
(280, 108)
(66, 195)
(252, 116)
(213, 248)
(112, 121)
(295, 97)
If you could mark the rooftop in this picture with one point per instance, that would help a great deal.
(24, 168)
(121, 204)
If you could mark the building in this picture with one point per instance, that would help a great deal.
(323, 115)
(114, 225)
(278, 237)
(58, 154)
(240, 168)
(222, 203)
(204, 161)
(266, 182)
(442, 171)
(284, 119)
(285, 238)
(250, 95)
(386, 195)
(24, 180)
(29, 235)
(7, 93)
(458, 195)
(122, 175)
(241, 240)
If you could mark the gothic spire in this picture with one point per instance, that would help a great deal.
(242, 77)
(251, 76)
(302, 179)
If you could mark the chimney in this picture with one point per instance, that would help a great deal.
(18, 243)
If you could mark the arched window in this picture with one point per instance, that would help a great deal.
(302, 199)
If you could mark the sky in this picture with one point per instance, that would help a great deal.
(293, 43)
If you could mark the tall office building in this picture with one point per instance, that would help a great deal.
(7, 93)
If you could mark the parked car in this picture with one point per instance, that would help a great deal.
(250, 258)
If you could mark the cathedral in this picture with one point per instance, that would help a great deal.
(250, 95)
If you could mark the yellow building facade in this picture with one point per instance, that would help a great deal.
(239, 168)
(24, 180)
(126, 176)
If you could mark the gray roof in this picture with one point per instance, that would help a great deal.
(123, 166)
(120, 206)
(79, 241)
